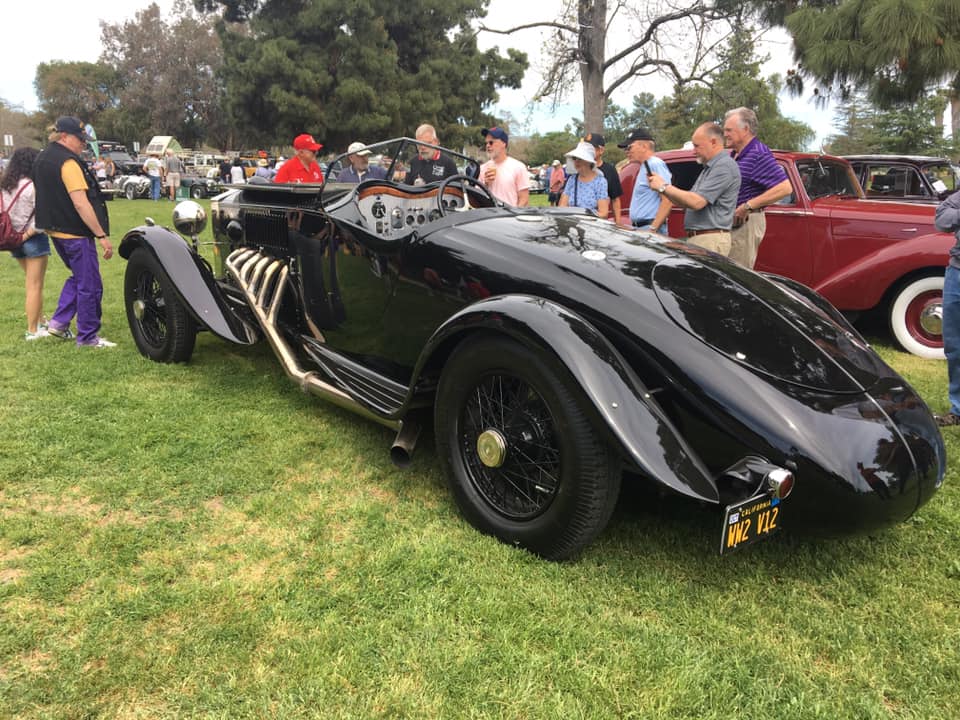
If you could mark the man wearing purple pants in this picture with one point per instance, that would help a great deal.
(72, 210)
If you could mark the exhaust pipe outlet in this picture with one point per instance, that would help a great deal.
(401, 452)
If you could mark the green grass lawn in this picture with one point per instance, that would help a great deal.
(205, 540)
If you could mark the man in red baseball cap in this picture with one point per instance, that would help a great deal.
(302, 167)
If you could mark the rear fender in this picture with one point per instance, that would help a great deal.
(863, 284)
(635, 420)
(192, 281)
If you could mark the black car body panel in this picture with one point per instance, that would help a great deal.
(684, 363)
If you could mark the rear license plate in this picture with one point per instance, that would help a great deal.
(746, 522)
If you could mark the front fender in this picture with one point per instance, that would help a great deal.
(192, 281)
(862, 284)
(640, 426)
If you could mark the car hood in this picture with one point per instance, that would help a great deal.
(635, 284)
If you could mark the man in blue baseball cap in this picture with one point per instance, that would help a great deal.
(506, 177)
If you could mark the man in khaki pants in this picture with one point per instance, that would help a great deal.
(763, 182)
(711, 201)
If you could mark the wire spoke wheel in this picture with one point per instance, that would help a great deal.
(526, 478)
(521, 456)
(162, 328)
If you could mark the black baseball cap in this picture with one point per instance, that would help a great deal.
(71, 125)
(637, 134)
(595, 139)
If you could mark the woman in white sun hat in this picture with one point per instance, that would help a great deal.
(585, 188)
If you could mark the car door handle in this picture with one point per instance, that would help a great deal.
(908, 229)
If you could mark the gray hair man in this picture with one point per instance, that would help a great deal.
(763, 182)
(711, 202)
(430, 165)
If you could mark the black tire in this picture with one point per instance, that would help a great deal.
(197, 192)
(130, 191)
(557, 482)
(162, 328)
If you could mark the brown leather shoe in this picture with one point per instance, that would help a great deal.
(947, 420)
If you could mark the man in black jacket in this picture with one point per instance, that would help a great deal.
(72, 210)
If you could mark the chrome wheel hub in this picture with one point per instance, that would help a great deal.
(931, 319)
(138, 309)
(492, 448)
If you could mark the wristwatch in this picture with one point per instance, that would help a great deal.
(747, 205)
(663, 188)
(100, 237)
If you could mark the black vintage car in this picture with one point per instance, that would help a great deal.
(554, 353)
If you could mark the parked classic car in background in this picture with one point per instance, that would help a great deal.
(133, 186)
(908, 178)
(859, 254)
(554, 352)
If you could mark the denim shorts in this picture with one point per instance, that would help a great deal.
(36, 246)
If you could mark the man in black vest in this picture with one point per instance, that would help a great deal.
(71, 208)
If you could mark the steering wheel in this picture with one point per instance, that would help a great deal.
(464, 180)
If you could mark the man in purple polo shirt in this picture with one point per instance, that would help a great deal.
(763, 182)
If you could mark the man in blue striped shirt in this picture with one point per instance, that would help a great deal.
(762, 182)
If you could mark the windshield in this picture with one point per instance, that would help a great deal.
(822, 177)
(402, 161)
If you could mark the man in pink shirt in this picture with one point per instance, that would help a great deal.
(504, 176)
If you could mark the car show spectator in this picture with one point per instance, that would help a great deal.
(430, 165)
(172, 171)
(360, 168)
(586, 187)
(505, 177)
(303, 166)
(947, 219)
(711, 201)
(558, 178)
(609, 172)
(264, 170)
(154, 170)
(649, 209)
(238, 175)
(762, 182)
(224, 170)
(18, 198)
(71, 208)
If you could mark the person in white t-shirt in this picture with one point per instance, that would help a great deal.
(505, 177)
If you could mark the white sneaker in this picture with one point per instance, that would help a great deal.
(102, 343)
(40, 333)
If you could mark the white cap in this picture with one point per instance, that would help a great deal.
(584, 151)
(359, 148)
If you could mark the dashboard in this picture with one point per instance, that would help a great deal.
(390, 211)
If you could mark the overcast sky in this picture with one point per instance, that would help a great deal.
(74, 35)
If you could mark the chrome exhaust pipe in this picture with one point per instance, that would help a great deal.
(401, 452)
(254, 274)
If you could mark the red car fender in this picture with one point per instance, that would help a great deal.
(862, 285)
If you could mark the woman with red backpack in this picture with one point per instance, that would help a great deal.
(19, 200)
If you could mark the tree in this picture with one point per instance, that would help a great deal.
(81, 89)
(895, 50)
(738, 84)
(168, 76)
(902, 129)
(360, 70)
(674, 38)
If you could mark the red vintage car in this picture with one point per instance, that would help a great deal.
(859, 254)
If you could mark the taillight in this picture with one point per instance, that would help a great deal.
(780, 482)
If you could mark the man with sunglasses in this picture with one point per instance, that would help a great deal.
(505, 177)
(71, 208)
